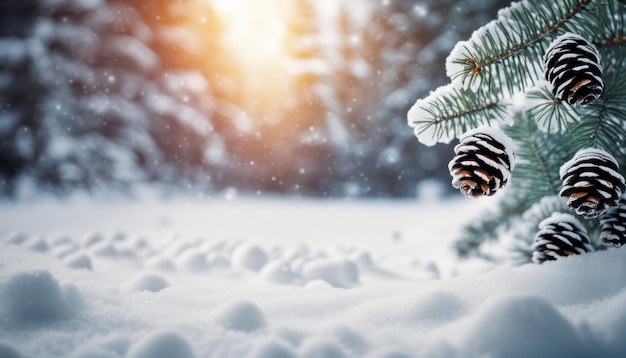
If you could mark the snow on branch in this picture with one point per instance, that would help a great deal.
(449, 112)
(503, 52)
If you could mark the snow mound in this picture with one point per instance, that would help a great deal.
(107, 346)
(160, 263)
(37, 244)
(250, 257)
(147, 281)
(91, 239)
(63, 250)
(610, 323)
(15, 238)
(391, 353)
(321, 348)
(387, 306)
(218, 262)
(340, 273)
(438, 306)
(290, 335)
(36, 297)
(279, 271)
(193, 261)
(271, 348)
(104, 248)
(8, 351)
(241, 315)
(161, 344)
(351, 342)
(78, 260)
(521, 326)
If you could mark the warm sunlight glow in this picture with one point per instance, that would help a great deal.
(255, 28)
(255, 34)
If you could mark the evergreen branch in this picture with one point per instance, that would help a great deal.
(602, 128)
(538, 153)
(490, 226)
(602, 123)
(607, 24)
(478, 66)
(507, 46)
(551, 113)
(449, 112)
(615, 41)
(476, 233)
(527, 227)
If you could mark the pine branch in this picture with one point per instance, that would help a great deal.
(605, 24)
(475, 234)
(507, 53)
(551, 114)
(490, 226)
(506, 57)
(524, 233)
(602, 123)
(538, 154)
(449, 112)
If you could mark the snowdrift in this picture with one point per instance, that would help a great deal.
(120, 295)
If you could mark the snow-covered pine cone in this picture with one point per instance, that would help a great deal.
(613, 224)
(572, 66)
(559, 235)
(483, 163)
(592, 182)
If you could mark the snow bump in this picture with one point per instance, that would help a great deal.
(161, 344)
(521, 326)
(272, 348)
(34, 297)
(339, 273)
(250, 257)
(147, 281)
(241, 315)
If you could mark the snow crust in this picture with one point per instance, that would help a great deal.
(340, 295)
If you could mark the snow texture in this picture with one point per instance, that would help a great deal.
(242, 315)
(161, 345)
(421, 119)
(363, 294)
(147, 281)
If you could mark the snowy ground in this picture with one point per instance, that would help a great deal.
(272, 278)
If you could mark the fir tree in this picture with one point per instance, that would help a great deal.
(91, 97)
(551, 75)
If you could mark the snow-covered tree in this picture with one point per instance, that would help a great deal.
(94, 93)
(537, 99)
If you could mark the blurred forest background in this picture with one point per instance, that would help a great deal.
(298, 97)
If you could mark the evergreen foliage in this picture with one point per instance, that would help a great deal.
(497, 77)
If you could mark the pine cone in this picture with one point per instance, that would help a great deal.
(592, 182)
(572, 66)
(483, 162)
(613, 224)
(559, 235)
